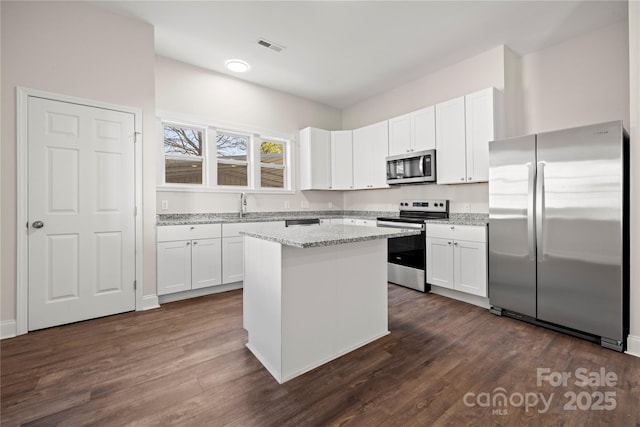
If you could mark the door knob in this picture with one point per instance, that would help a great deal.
(37, 224)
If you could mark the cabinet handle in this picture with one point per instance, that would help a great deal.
(195, 243)
(462, 179)
(470, 178)
(452, 227)
(188, 243)
(455, 244)
(191, 228)
(449, 243)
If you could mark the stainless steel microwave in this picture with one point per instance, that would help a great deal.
(412, 168)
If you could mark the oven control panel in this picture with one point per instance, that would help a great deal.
(427, 205)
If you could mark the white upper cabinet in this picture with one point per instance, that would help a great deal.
(400, 134)
(315, 159)
(414, 131)
(451, 140)
(464, 127)
(482, 127)
(341, 160)
(370, 150)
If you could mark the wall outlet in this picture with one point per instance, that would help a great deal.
(466, 208)
(287, 205)
(165, 205)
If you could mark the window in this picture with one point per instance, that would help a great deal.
(272, 164)
(233, 160)
(209, 159)
(183, 154)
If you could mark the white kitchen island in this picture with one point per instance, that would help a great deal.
(314, 293)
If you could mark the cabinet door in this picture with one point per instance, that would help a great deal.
(439, 262)
(479, 114)
(232, 259)
(379, 152)
(424, 129)
(362, 158)
(400, 134)
(341, 160)
(174, 267)
(206, 263)
(450, 141)
(470, 264)
(315, 159)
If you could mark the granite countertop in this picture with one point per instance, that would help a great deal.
(476, 219)
(325, 235)
(234, 217)
(480, 219)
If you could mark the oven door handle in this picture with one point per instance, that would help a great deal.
(392, 224)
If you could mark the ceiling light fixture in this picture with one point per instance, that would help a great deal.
(237, 65)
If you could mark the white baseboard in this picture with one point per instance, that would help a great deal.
(7, 329)
(633, 345)
(461, 296)
(149, 302)
(199, 292)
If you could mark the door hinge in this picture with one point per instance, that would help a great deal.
(135, 285)
(135, 211)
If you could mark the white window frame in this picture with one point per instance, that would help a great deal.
(202, 158)
(247, 163)
(286, 167)
(210, 159)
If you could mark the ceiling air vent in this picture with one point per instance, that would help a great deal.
(270, 45)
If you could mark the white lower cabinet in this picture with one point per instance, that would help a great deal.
(189, 257)
(174, 267)
(457, 257)
(232, 259)
(205, 263)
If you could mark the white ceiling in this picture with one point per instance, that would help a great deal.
(340, 53)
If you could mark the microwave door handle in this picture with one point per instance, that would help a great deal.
(421, 165)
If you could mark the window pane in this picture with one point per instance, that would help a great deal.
(183, 171)
(181, 140)
(271, 177)
(232, 175)
(272, 152)
(233, 147)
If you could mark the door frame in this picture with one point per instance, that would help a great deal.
(22, 186)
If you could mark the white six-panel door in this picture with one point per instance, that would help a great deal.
(81, 195)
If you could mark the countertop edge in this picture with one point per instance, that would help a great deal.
(328, 241)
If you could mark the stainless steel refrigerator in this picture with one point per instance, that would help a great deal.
(559, 231)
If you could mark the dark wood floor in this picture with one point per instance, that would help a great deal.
(186, 364)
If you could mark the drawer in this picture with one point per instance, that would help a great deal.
(169, 233)
(234, 229)
(472, 233)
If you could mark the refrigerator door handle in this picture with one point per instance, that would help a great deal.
(530, 211)
(540, 209)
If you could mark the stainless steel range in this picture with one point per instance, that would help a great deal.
(406, 255)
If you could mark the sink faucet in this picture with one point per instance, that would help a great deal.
(243, 204)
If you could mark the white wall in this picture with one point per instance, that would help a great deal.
(581, 81)
(478, 72)
(634, 73)
(193, 93)
(77, 49)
